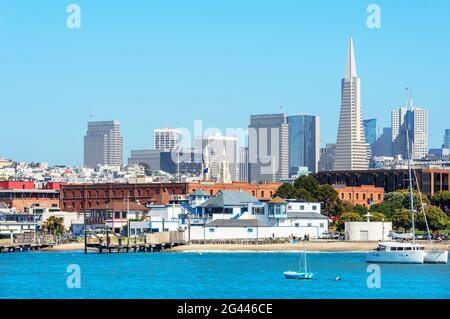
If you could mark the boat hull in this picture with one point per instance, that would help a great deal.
(396, 257)
(436, 257)
(298, 275)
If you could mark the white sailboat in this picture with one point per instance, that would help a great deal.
(303, 272)
(408, 252)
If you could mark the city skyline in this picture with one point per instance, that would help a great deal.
(221, 80)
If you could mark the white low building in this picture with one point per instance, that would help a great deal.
(368, 231)
(237, 215)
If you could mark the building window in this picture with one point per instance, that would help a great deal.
(117, 215)
(257, 211)
(314, 207)
(262, 194)
(309, 224)
(302, 207)
(211, 230)
(289, 207)
(321, 225)
(249, 230)
(364, 196)
(379, 196)
(297, 224)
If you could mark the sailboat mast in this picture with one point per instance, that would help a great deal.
(408, 150)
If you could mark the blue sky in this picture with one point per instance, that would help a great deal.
(163, 63)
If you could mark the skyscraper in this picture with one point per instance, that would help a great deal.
(383, 145)
(327, 154)
(370, 131)
(446, 139)
(304, 142)
(243, 166)
(352, 151)
(268, 147)
(103, 144)
(167, 138)
(219, 156)
(416, 121)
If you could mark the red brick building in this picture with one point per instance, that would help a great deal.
(76, 197)
(365, 195)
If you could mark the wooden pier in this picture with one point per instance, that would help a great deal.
(142, 248)
(22, 247)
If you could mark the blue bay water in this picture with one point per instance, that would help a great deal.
(212, 275)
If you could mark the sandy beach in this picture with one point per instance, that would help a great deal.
(326, 246)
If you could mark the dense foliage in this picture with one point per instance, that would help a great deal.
(395, 207)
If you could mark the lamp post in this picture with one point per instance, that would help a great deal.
(128, 220)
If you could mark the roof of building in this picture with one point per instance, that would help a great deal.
(199, 192)
(36, 191)
(225, 198)
(236, 223)
(119, 206)
(277, 200)
(306, 215)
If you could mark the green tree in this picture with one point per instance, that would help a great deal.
(436, 219)
(287, 190)
(55, 225)
(308, 183)
(328, 196)
(402, 219)
(442, 200)
(347, 217)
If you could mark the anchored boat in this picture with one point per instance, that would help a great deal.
(303, 272)
(408, 252)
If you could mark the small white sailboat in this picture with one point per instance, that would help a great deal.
(303, 272)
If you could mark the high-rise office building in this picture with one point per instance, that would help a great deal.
(103, 144)
(370, 131)
(268, 147)
(167, 138)
(416, 121)
(446, 139)
(219, 156)
(184, 162)
(352, 151)
(327, 154)
(242, 165)
(383, 145)
(304, 143)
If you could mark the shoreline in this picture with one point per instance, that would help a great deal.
(312, 246)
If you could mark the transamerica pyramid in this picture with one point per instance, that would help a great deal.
(352, 151)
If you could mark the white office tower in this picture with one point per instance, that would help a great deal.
(352, 151)
(167, 138)
(103, 144)
(219, 157)
(242, 170)
(416, 119)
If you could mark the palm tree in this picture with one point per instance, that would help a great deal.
(55, 225)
